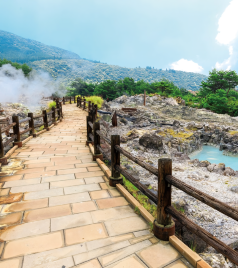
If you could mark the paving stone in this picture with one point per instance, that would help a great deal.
(43, 258)
(103, 185)
(67, 162)
(47, 213)
(129, 262)
(41, 164)
(11, 178)
(26, 205)
(25, 230)
(141, 233)
(179, 264)
(33, 244)
(154, 240)
(99, 194)
(83, 257)
(67, 199)
(93, 179)
(58, 184)
(4, 191)
(43, 194)
(65, 263)
(140, 238)
(83, 207)
(9, 219)
(127, 225)
(30, 188)
(13, 263)
(152, 259)
(32, 170)
(58, 178)
(58, 167)
(85, 233)
(39, 175)
(94, 168)
(114, 192)
(91, 245)
(93, 164)
(69, 171)
(112, 213)
(90, 264)
(81, 188)
(71, 221)
(21, 182)
(37, 161)
(112, 202)
(122, 253)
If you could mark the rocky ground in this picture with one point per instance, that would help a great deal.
(7, 110)
(164, 128)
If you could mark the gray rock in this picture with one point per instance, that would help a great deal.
(234, 189)
(151, 141)
(229, 172)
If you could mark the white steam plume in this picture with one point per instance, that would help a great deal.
(228, 33)
(14, 85)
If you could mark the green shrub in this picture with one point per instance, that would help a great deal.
(51, 104)
(94, 99)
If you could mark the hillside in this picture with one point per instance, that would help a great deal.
(67, 65)
(16, 48)
(69, 69)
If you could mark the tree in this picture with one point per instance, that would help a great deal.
(225, 80)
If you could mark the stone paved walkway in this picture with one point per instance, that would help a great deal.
(66, 215)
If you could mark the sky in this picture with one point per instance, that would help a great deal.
(187, 35)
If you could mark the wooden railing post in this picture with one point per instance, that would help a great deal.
(53, 115)
(77, 101)
(1, 145)
(70, 99)
(89, 130)
(84, 104)
(61, 110)
(16, 131)
(74, 99)
(115, 160)
(164, 227)
(80, 102)
(95, 111)
(89, 106)
(45, 120)
(31, 124)
(63, 100)
(97, 153)
(114, 119)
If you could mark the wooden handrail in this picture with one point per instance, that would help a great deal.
(8, 127)
(165, 182)
(38, 116)
(25, 131)
(211, 240)
(24, 120)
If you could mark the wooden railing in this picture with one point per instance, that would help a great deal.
(16, 136)
(164, 225)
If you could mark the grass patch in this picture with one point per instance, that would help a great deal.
(94, 99)
(142, 199)
(233, 132)
(51, 104)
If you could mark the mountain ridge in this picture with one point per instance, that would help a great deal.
(66, 66)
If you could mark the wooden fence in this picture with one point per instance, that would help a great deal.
(164, 225)
(17, 135)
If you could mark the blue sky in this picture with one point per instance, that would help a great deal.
(190, 35)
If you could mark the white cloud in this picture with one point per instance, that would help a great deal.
(186, 66)
(228, 33)
(228, 24)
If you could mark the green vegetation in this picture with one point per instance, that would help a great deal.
(16, 48)
(26, 69)
(70, 69)
(142, 199)
(51, 104)
(217, 93)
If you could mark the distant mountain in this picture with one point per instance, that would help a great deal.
(66, 65)
(69, 69)
(16, 48)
